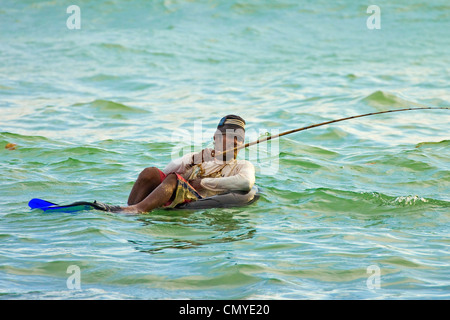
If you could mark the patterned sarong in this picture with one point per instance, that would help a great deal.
(184, 192)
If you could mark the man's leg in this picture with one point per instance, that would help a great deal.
(159, 197)
(147, 181)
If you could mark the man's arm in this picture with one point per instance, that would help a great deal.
(181, 165)
(243, 180)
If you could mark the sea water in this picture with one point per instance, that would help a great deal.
(90, 95)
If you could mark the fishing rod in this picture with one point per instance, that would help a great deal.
(322, 124)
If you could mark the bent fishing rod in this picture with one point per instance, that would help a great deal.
(325, 123)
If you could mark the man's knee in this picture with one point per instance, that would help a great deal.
(149, 173)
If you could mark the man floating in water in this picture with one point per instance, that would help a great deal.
(195, 175)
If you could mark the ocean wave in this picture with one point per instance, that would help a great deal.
(342, 200)
(381, 100)
(6, 137)
(438, 144)
(107, 106)
(402, 201)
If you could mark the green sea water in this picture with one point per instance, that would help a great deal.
(142, 81)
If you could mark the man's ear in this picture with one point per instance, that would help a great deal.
(236, 141)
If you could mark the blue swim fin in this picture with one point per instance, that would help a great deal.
(39, 203)
(47, 206)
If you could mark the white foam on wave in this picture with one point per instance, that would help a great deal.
(409, 200)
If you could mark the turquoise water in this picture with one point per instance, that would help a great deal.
(88, 109)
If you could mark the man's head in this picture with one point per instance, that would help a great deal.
(230, 133)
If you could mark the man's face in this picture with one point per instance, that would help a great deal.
(227, 140)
